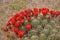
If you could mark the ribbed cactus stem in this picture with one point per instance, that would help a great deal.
(42, 37)
(26, 38)
(32, 32)
(46, 32)
(40, 17)
(44, 22)
(48, 26)
(39, 28)
(52, 22)
(52, 37)
(34, 37)
(35, 23)
(26, 22)
(58, 28)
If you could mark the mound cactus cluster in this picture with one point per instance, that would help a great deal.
(38, 24)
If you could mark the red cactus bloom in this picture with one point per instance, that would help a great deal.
(28, 27)
(16, 30)
(57, 13)
(17, 24)
(12, 29)
(35, 14)
(21, 33)
(18, 18)
(16, 15)
(39, 10)
(4, 29)
(12, 21)
(29, 15)
(45, 11)
(8, 24)
(24, 13)
(21, 15)
(29, 19)
(52, 13)
(22, 21)
(28, 11)
(36, 10)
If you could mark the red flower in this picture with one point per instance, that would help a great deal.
(17, 24)
(28, 27)
(29, 19)
(12, 21)
(16, 15)
(39, 10)
(29, 15)
(52, 13)
(36, 12)
(16, 30)
(12, 29)
(8, 24)
(4, 29)
(28, 11)
(21, 33)
(24, 13)
(18, 18)
(21, 15)
(57, 13)
(44, 11)
(22, 21)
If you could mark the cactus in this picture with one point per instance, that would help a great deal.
(34, 37)
(42, 37)
(52, 37)
(44, 22)
(26, 22)
(48, 26)
(35, 25)
(39, 28)
(46, 32)
(58, 28)
(26, 38)
(40, 17)
(32, 32)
